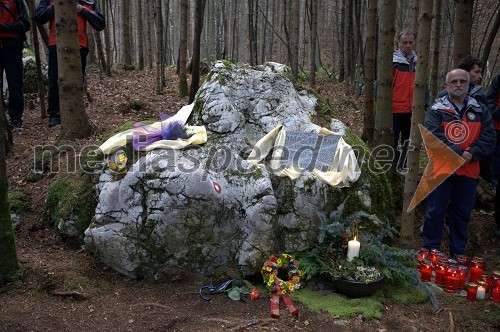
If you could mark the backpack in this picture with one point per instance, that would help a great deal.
(8, 14)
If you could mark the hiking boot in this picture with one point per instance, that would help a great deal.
(54, 121)
(16, 125)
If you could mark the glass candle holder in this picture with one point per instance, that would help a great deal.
(476, 271)
(464, 270)
(422, 254)
(479, 261)
(495, 294)
(426, 270)
(452, 279)
(434, 256)
(481, 290)
(440, 271)
(488, 282)
(471, 292)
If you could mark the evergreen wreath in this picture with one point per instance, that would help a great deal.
(270, 274)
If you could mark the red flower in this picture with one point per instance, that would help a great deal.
(254, 294)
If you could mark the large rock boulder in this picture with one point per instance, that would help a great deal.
(205, 207)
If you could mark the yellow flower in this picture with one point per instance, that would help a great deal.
(279, 262)
(271, 278)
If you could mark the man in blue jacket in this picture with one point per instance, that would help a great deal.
(14, 23)
(466, 127)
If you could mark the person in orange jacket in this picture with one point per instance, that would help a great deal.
(87, 12)
(404, 60)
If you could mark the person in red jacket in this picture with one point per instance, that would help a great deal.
(466, 127)
(88, 12)
(404, 61)
(493, 100)
(14, 23)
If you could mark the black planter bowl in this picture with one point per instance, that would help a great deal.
(353, 288)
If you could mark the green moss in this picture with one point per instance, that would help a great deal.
(18, 201)
(74, 197)
(227, 64)
(221, 79)
(405, 293)
(339, 306)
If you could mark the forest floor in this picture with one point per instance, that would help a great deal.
(51, 265)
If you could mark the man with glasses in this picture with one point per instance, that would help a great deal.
(466, 127)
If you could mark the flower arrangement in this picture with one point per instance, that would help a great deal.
(270, 271)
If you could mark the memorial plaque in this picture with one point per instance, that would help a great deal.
(309, 151)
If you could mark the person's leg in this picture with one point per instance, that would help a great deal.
(396, 128)
(462, 198)
(405, 126)
(53, 110)
(83, 56)
(434, 214)
(13, 65)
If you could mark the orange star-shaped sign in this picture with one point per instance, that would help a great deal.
(443, 162)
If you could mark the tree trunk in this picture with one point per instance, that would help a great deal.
(159, 48)
(183, 85)
(435, 49)
(251, 34)
(462, 27)
(100, 50)
(490, 40)
(195, 62)
(126, 35)
(412, 176)
(140, 35)
(341, 64)
(371, 32)
(414, 16)
(74, 121)
(8, 256)
(383, 133)
(107, 40)
(39, 77)
(314, 37)
(295, 20)
(348, 43)
(149, 34)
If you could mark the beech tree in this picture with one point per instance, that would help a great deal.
(383, 133)
(462, 27)
(412, 176)
(371, 31)
(74, 120)
(8, 256)
(195, 62)
(183, 29)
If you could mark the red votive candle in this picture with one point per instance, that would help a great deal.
(479, 261)
(463, 271)
(472, 292)
(439, 272)
(475, 273)
(452, 279)
(495, 295)
(426, 270)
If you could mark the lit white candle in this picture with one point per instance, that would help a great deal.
(353, 249)
(481, 293)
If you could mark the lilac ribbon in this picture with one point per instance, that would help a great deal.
(145, 135)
